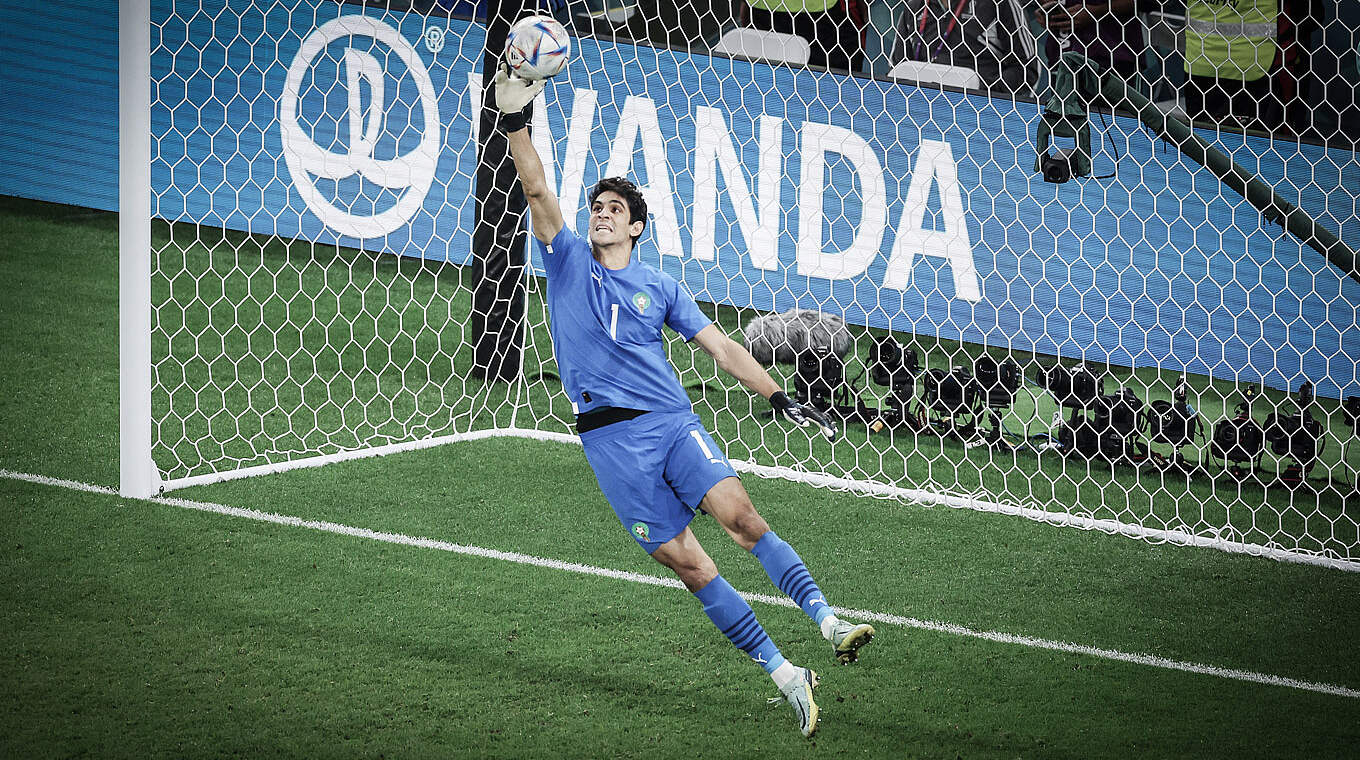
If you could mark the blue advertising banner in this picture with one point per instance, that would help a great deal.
(59, 90)
(769, 187)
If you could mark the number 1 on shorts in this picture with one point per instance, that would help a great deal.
(703, 446)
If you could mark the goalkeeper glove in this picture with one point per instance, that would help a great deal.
(801, 415)
(513, 96)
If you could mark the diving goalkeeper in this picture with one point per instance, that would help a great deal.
(654, 461)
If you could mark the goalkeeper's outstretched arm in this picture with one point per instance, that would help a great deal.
(513, 98)
(735, 360)
(547, 215)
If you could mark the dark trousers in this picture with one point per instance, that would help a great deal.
(835, 35)
(1253, 104)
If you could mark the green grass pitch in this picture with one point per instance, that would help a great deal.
(141, 629)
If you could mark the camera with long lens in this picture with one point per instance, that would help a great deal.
(1079, 390)
(952, 400)
(952, 392)
(1073, 388)
(1240, 440)
(1115, 420)
(895, 366)
(1297, 437)
(820, 373)
(997, 383)
(1109, 432)
(1173, 423)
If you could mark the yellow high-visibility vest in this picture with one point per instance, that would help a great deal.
(794, 6)
(1230, 39)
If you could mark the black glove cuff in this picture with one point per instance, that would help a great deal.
(514, 122)
(780, 400)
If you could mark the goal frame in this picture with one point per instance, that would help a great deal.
(137, 475)
(140, 478)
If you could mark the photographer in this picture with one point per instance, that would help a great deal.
(1109, 33)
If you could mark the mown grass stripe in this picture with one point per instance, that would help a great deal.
(778, 601)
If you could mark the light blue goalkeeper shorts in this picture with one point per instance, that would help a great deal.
(655, 469)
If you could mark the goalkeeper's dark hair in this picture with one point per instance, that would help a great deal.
(637, 205)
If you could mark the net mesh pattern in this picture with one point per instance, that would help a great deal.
(1108, 348)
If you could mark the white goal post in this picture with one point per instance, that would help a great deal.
(137, 472)
(296, 271)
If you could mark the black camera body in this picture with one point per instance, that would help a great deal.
(952, 401)
(1080, 437)
(997, 381)
(1058, 167)
(1074, 389)
(1296, 436)
(1171, 422)
(896, 366)
(952, 393)
(1110, 432)
(1117, 414)
(893, 365)
(1116, 420)
(820, 373)
(1239, 440)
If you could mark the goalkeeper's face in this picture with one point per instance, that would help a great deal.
(609, 221)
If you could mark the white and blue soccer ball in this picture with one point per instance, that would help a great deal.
(537, 47)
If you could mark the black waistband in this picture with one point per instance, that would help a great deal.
(605, 415)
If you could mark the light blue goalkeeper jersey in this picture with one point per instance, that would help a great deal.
(606, 329)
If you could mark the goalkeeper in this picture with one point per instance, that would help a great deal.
(654, 461)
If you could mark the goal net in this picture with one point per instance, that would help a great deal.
(1102, 353)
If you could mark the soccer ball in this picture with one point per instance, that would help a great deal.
(537, 47)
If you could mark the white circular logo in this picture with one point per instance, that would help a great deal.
(411, 174)
(434, 38)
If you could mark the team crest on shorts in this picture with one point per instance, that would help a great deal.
(641, 300)
(640, 530)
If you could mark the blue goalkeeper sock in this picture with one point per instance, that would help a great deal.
(787, 572)
(733, 616)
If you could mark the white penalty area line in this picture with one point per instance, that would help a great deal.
(651, 580)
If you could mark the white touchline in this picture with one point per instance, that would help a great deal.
(652, 580)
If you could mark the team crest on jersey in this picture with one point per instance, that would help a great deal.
(640, 530)
(641, 300)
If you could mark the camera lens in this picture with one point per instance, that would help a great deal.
(1056, 169)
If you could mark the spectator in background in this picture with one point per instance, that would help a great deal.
(1299, 26)
(1230, 50)
(833, 28)
(992, 38)
(1109, 33)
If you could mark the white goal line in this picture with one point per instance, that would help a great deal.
(779, 601)
(917, 495)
